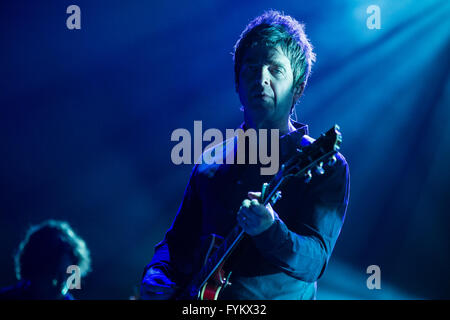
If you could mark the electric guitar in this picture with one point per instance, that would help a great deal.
(212, 277)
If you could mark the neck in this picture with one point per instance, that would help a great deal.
(284, 127)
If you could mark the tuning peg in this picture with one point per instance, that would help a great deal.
(276, 197)
(308, 176)
(264, 190)
(319, 168)
(332, 161)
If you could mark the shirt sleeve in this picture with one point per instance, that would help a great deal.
(175, 254)
(303, 248)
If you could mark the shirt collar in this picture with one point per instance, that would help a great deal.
(300, 130)
(291, 141)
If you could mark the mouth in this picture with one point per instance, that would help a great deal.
(261, 95)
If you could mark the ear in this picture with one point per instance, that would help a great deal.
(297, 94)
(299, 91)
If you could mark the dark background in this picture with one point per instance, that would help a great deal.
(86, 118)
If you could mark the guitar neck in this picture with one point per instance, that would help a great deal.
(228, 245)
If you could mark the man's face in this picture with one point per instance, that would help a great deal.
(266, 84)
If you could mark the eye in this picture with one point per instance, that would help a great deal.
(248, 68)
(277, 70)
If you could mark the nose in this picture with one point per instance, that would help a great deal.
(264, 76)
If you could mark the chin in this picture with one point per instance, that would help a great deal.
(261, 106)
(260, 113)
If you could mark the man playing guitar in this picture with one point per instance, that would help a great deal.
(284, 247)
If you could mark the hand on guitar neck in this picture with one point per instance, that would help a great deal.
(253, 217)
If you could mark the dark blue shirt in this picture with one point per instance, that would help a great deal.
(283, 262)
(22, 290)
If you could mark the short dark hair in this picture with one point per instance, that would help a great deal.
(43, 247)
(273, 28)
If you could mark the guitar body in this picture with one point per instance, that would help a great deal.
(219, 279)
(211, 289)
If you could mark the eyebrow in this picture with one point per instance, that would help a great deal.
(274, 62)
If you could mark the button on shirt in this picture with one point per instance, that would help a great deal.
(284, 261)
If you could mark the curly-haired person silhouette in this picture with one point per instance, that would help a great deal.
(42, 261)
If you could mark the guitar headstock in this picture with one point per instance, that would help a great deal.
(313, 158)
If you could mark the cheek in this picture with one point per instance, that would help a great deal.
(242, 89)
(282, 92)
(284, 98)
(241, 93)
